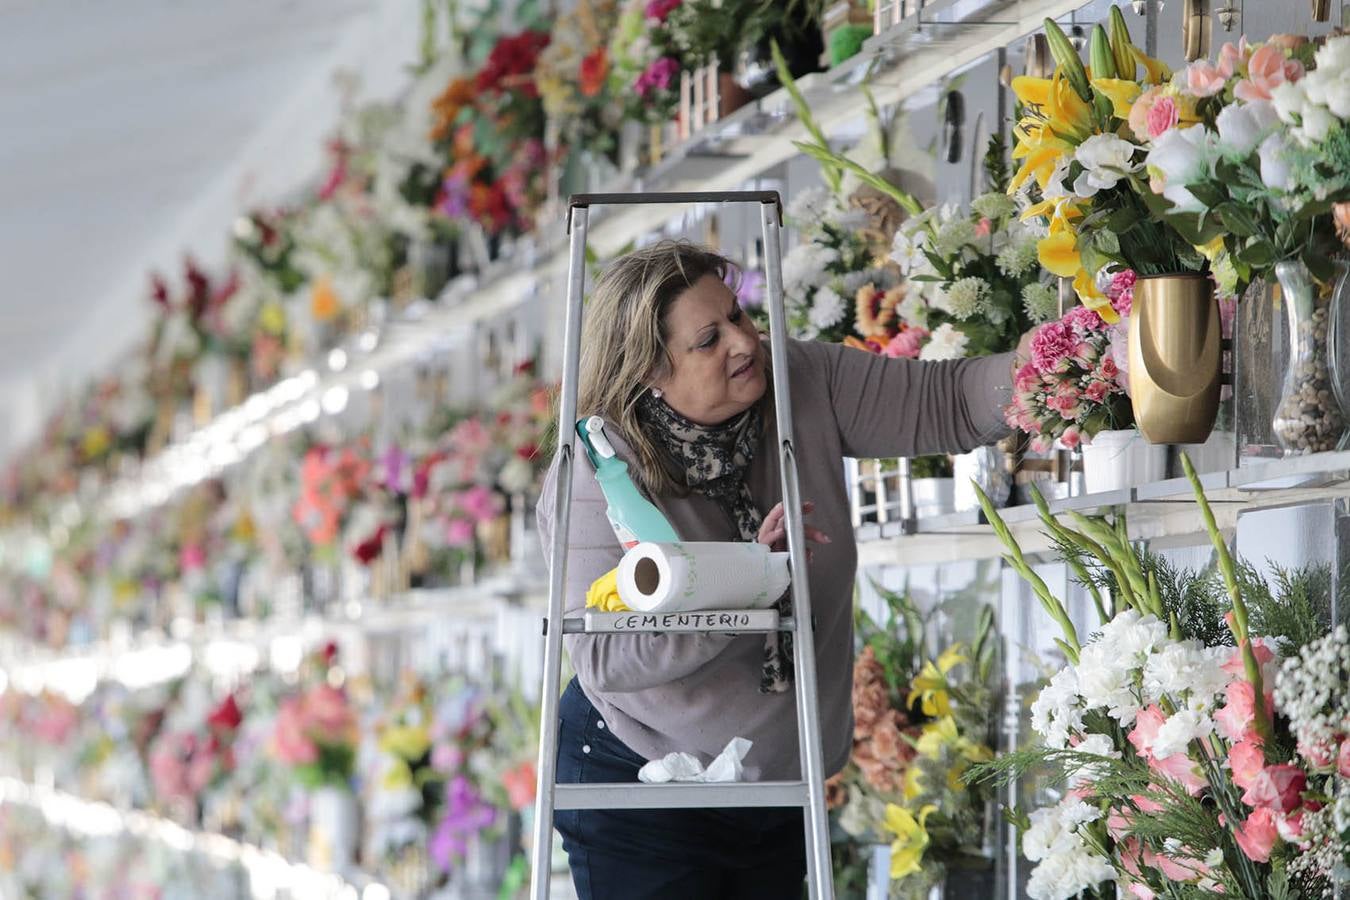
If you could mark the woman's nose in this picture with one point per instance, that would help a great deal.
(743, 342)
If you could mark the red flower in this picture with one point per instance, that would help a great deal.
(370, 549)
(226, 716)
(594, 70)
(513, 58)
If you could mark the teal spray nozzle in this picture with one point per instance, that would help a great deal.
(632, 516)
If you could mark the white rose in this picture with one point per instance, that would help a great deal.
(1334, 55)
(1289, 98)
(1183, 156)
(1242, 128)
(1317, 123)
(1274, 169)
(1106, 159)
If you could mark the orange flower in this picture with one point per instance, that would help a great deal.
(324, 303)
(874, 310)
(594, 70)
(446, 108)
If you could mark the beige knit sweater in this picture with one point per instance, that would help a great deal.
(694, 692)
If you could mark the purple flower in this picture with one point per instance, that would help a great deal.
(465, 816)
(660, 9)
(394, 463)
(454, 197)
(657, 77)
(748, 285)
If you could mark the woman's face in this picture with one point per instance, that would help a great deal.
(717, 362)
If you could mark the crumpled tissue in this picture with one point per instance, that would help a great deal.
(686, 767)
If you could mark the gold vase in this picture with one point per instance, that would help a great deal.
(1176, 358)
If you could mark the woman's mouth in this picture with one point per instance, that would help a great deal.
(744, 370)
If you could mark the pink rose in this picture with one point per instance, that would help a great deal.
(1266, 70)
(1203, 79)
(1096, 391)
(1257, 836)
(328, 716)
(1163, 115)
(289, 741)
(1145, 732)
(1182, 769)
(1343, 759)
(1140, 111)
(1231, 58)
(459, 533)
(906, 344)
(1071, 437)
(1246, 760)
(1276, 787)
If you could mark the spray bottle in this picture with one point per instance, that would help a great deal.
(631, 515)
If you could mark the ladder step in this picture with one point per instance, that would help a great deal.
(680, 796)
(740, 621)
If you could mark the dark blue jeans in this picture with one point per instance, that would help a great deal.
(681, 854)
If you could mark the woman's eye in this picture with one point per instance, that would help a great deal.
(708, 342)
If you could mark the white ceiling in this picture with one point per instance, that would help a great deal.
(131, 131)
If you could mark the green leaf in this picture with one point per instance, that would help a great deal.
(1208, 193)
(1108, 242)
(1238, 220)
(1257, 254)
(1121, 220)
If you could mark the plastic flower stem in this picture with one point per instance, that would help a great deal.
(1126, 593)
(829, 168)
(1122, 555)
(1018, 561)
(1069, 536)
(824, 155)
(1239, 620)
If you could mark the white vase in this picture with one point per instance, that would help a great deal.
(334, 829)
(934, 497)
(1116, 460)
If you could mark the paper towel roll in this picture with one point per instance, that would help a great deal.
(692, 575)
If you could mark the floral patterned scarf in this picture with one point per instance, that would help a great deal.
(714, 459)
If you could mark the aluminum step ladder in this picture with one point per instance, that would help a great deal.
(807, 794)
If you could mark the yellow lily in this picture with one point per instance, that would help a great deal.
(954, 782)
(935, 736)
(913, 785)
(406, 741)
(1155, 70)
(931, 683)
(1121, 92)
(1085, 286)
(911, 838)
(604, 593)
(1058, 251)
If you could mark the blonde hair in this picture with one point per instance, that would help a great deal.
(623, 343)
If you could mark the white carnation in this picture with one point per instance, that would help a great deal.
(1185, 669)
(946, 342)
(1175, 735)
(827, 308)
(1066, 865)
(1096, 745)
(1056, 713)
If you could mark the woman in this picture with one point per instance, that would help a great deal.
(679, 374)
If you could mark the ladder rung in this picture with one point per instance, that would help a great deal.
(738, 621)
(680, 796)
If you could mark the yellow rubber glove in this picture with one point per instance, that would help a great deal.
(604, 593)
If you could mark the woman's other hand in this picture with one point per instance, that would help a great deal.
(1022, 356)
(773, 530)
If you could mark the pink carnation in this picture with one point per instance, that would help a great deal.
(1084, 321)
(1051, 345)
(1121, 291)
(657, 77)
(906, 344)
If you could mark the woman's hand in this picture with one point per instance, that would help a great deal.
(773, 530)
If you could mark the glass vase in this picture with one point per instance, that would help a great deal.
(1309, 416)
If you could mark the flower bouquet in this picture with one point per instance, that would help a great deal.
(1268, 156)
(1081, 177)
(1074, 384)
(573, 77)
(316, 731)
(1195, 763)
(919, 724)
(975, 284)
